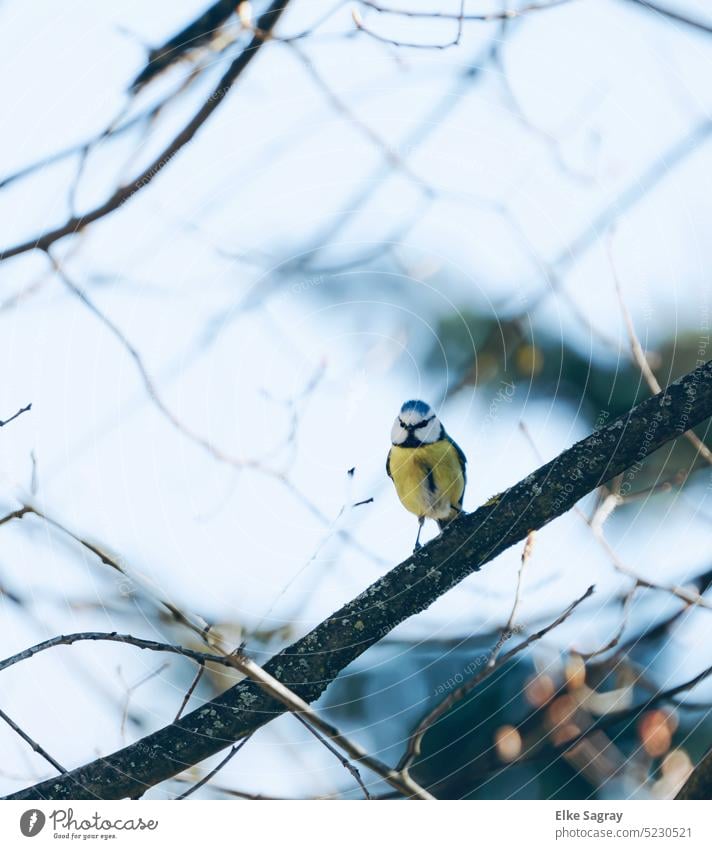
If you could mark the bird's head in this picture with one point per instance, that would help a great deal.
(416, 424)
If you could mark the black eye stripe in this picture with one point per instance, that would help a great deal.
(411, 428)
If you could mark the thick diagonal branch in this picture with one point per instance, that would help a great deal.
(310, 664)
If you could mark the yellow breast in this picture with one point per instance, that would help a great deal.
(429, 479)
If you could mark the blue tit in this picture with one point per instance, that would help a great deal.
(427, 468)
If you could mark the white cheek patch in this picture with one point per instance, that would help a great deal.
(398, 434)
(431, 431)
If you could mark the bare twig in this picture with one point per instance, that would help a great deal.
(641, 360)
(32, 743)
(460, 18)
(217, 453)
(526, 554)
(388, 152)
(345, 762)
(111, 637)
(506, 15)
(190, 691)
(316, 659)
(673, 15)
(131, 689)
(595, 525)
(416, 738)
(631, 714)
(213, 772)
(123, 193)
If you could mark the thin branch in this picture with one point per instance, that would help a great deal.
(196, 624)
(293, 702)
(16, 514)
(416, 738)
(689, 597)
(699, 784)
(671, 14)
(111, 637)
(196, 33)
(506, 15)
(190, 691)
(629, 715)
(146, 378)
(34, 745)
(244, 665)
(123, 193)
(641, 360)
(595, 524)
(18, 413)
(213, 772)
(387, 151)
(345, 762)
(618, 636)
(461, 17)
(131, 689)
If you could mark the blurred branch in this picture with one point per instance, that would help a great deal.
(504, 15)
(699, 784)
(250, 669)
(618, 636)
(123, 193)
(595, 523)
(416, 738)
(18, 413)
(345, 762)
(198, 439)
(238, 794)
(112, 637)
(389, 154)
(310, 664)
(131, 689)
(189, 692)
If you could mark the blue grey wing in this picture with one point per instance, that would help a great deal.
(463, 462)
